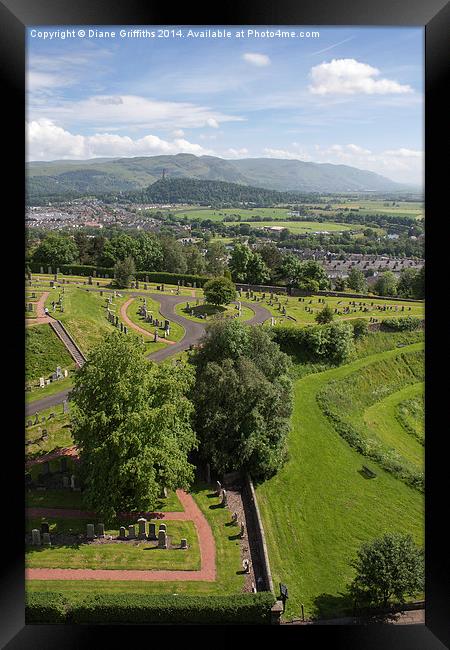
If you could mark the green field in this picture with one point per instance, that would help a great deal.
(299, 227)
(319, 508)
(176, 330)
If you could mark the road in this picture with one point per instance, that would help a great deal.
(193, 333)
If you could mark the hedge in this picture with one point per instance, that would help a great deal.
(153, 276)
(74, 608)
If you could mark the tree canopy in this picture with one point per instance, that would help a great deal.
(243, 399)
(131, 421)
(219, 291)
(391, 566)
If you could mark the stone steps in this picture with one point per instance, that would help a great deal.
(68, 341)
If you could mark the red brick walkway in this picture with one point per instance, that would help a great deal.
(191, 512)
(41, 317)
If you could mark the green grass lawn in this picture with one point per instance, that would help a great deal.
(228, 561)
(58, 429)
(304, 311)
(37, 393)
(410, 413)
(212, 311)
(63, 498)
(381, 418)
(318, 509)
(43, 352)
(299, 227)
(133, 554)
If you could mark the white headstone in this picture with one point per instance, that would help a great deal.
(41, 382)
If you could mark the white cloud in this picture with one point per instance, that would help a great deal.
(296, 153)
(178, 133)
(236, 153)
(130, 110)
(349, 77)
(47, 141)
(254, 58)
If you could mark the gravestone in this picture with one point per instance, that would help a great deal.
(72, 481)
(152, 531)
(131, 532)
(90, 531)
(162, 539)
(66, 481)
(45, 528)
(49, 270)
(42, 270)
(66, 373)
(218, 488)
(41, 382)
(36, 537)
(125, 329)
(30, 306)
(142, 522)
(100, 530)
(30, 423)
(246, 565)
(184, 544)
(162, 527)
(224, 498)
(242, 532)
(65, 406)
(122, 532)
(46, 539)
(121, 326)
(234, 518)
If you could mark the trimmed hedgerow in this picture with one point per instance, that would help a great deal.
(142, 608)
(46, 608)
(171, 278)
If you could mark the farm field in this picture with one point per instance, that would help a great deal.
(299, 227)
(328, 507)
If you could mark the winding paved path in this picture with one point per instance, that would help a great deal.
(207, 547)
(193, 333)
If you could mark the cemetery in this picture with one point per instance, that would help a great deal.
(200, 542)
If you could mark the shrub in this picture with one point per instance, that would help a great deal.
(408, 323)
(152, 608)
(360, 328)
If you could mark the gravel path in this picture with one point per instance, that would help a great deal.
(207, 546)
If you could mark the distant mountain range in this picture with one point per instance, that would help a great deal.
(61, 179)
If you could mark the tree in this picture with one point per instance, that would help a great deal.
(56, 250)
(216, 256)
(360, 328)
(131, 421)
(271, 256)
(338, 342)
(174, 257)
(386, 284)
(243, 399)
(148, 254)
(419, 284)
(219, 291)
(257, 271)
(118, 248)
(195, 260)
(406, 283)
(325, 315)
(356, 280)
(340, 284)
(391, 566)
(240, 257)
(309, 275)
(124, 272)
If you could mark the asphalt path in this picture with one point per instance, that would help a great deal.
(193, 333)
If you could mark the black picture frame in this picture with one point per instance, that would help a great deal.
(15, 16)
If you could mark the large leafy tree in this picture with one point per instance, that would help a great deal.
(174, 255)
(56, 250)
(309, 275)
(243, 399)
(216, 258)
(240, 258)
(118, 248)
(386, 284)
(149, 254)
(356, 280)
(406, 282)
(257, 271)
(131, 422)
(124, 272)
(219, 291)
(391, 566)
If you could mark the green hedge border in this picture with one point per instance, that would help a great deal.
(75, 608)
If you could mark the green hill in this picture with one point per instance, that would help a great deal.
(69, 178)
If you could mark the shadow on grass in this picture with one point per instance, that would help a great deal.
(216, 506)
(234, 537)
(332, 606)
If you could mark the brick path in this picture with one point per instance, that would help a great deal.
(41, 317)
(191, 512)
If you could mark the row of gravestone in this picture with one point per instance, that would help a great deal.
(222, 494)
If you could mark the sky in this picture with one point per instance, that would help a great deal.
(350, 96)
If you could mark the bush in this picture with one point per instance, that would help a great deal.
(152, 608)
(44, 607)
(408, 324)
(360, 328)
(332, 343)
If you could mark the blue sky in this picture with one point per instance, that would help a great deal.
(350, 96)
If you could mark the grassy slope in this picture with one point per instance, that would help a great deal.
(318, 509)
(43, 352)
(381, 419)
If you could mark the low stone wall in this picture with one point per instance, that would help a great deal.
(260, 537)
